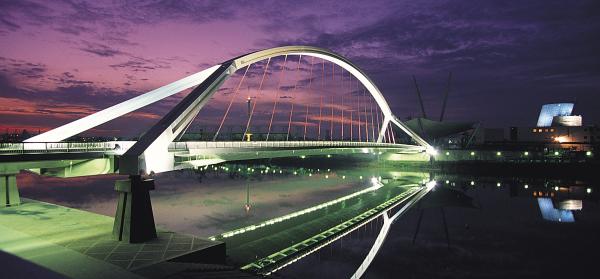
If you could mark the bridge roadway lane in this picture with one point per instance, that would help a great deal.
(252, 245)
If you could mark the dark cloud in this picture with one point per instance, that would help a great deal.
(25, 11)
(139, 64)
(22, 69)
(535, 52)
(514, 55)
(100, 49)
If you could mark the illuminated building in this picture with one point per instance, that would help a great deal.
(557, 128)
(549, 111)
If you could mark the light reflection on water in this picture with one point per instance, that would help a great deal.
(493, 222)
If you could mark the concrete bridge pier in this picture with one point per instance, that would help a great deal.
(134, 220)
(9, 193)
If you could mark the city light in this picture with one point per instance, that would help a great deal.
(447, 181)
(431, 151)
(447, 153)
(556, 153)
(589, 190)
(526, 186)
(498, 184)
(561, 139)
(499, 153)
(430, 185)
(472, 183)
(589, 153)
(472, 153)
(526, 153)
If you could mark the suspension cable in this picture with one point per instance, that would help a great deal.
(305, 122)
(295, 87)
(342, 107)
(332, 100)
(331, 121)
(320, 114)
(378, 125)
(231, 102)
(256, 98)
(281, 77)
(321, 103)
(312, 62)
(351, 127)
(372, 125)
(366, 120)
(358, 111)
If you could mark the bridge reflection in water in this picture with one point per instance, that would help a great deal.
(294, 210)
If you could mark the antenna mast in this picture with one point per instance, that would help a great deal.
(446, 96)
(419, 95)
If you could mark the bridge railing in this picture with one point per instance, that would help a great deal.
(180, 146)
(121, 146)
(51, 147)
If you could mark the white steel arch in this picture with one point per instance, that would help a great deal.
(175, 122)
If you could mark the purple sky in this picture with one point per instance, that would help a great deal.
(61, 60)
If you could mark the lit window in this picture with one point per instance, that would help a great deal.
(551, 130)
(534, 130)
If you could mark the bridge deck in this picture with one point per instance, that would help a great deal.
(119, 147)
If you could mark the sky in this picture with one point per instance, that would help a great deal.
(61, 60)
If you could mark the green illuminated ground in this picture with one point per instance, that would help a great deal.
(79, 244)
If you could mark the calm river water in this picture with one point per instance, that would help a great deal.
(468, 227)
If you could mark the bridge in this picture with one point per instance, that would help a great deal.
(358, 122)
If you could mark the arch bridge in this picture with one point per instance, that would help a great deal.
(363, 125)
(150, 154)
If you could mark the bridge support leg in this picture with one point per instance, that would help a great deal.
(9, 193)
(134, 220)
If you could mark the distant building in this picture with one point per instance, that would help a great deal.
(549, 111)
(556, 127)
(493, 135)
(568, 120)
